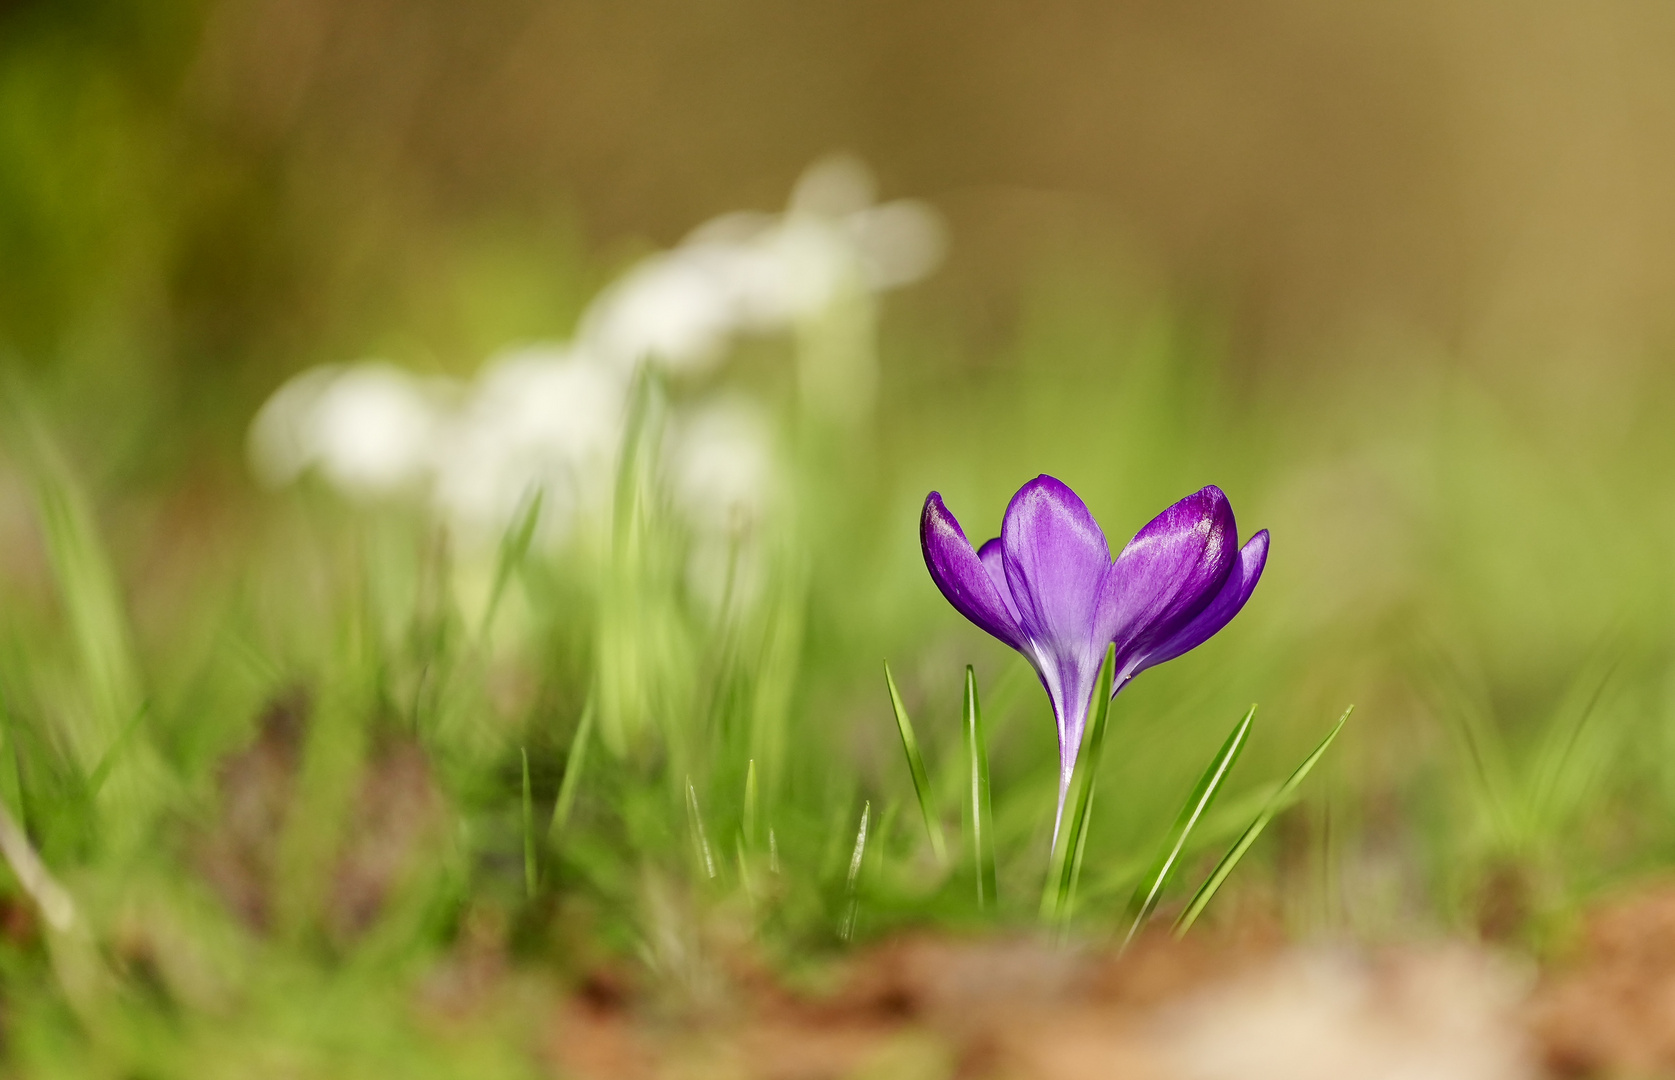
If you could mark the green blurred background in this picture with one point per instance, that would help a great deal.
(1398, 279)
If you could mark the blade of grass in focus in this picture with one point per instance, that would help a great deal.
(700, 838)
(982, 816)
(1067, 853)
(847, 929)
(750, 800)
(916, 765)
(1150, 889)
(1280, 800)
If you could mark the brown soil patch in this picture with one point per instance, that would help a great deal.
(1610, 1009)
(1200, 1010)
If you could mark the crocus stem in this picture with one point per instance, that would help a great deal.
(1062, 867)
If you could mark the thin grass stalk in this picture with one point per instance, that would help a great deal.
(916, 766)
(1077, 861)
(746, 882)
(1150, 889)
(623, 683)
(700, 839)
(514, 549)
(107, 761)
(1278, 802)
(574, 762)
(50, 898)
(88, 588)
(11, 770)
(750, 803)
(847, 929)
(1557, 771)
(528, 829)
(982, 818)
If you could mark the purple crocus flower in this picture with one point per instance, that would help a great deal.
(1047, 586)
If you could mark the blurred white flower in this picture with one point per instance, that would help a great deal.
(540, 418)
(720, 461)
(833, 186)
(723, 479)
(764, 273)
(897, 243)
(674, 309)
(549, 419)
(372, 428)
(281, 443)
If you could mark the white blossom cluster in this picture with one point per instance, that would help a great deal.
(550, 417)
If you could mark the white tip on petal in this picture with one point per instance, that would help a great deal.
(833, 186)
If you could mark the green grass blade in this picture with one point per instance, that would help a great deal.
(133, 781)
(746, 882)
(91, 595)
(700, 839)
(847, 929)
(107, 761)
(54, 902)
(750, 802)
(514, 548)
(573, 765)
(1150, 888)
(11, 770)
(1067, 861)
(528, 829)
(1280, 800)
(1559, 774)
(916, 765)
(982, 817)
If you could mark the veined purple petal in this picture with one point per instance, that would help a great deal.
(1169, 572)
(994, 562)
(1241, 582)
(1056, 561)
(1055, 557)
(961, 576)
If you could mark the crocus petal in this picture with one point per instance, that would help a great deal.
(1241, 582)
(1055, 558)
(1167, 575)
(994, 561)
(1056, 561)
(960, 574)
